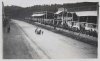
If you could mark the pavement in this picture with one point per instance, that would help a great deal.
(55, 46)
(16, 46)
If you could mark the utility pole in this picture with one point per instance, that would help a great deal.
(46, 14)
(3, 13)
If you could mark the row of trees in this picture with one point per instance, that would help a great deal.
(20, 12)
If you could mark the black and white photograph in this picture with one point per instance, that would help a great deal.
(50, 29)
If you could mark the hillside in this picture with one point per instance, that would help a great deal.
(20, 12)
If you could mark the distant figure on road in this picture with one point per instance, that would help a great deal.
(7, 24)
(36, 29)
(8, 29)
(42, 32)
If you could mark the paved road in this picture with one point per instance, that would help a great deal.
(52, 45)
(15, 45)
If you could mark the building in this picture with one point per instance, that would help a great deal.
(43, 17)
(89, 19)
(81, 18)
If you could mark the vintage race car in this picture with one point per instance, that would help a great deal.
(38, 31)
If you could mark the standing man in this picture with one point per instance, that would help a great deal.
(8, 27)
(7, 24)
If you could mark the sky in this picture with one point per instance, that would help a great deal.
(27, 3)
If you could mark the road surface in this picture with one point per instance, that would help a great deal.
(55, 46)
(15, 44)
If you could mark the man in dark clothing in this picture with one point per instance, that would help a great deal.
(8, 27)
(7, 24)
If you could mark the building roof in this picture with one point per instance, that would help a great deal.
(37, 15)
(86, 13)
(58, 12)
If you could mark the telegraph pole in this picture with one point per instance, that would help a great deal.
(3, 14)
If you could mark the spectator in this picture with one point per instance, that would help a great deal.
(7, 24)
